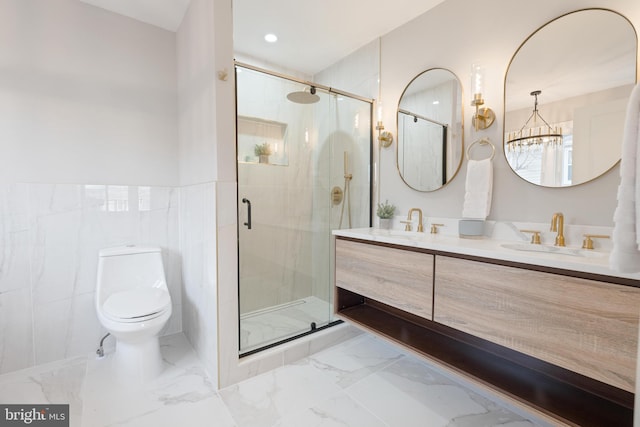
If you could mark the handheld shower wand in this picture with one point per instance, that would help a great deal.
(346, 197)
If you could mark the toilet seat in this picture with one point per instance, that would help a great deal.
(137, 305)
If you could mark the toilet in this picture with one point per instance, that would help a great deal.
(133, 304)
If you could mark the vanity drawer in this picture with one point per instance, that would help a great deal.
(399, 278)
(585, 326)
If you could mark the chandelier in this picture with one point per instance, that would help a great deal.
(536, 132)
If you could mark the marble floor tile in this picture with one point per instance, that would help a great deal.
(266, 398)
(56, 382)
(355, 359)
(411, 393)
(181, 395)
(362, 382)
(339, 410)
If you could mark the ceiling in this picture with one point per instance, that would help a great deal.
(165, 14)
(311, 35)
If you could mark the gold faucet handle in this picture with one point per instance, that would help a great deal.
(407, 226)
(587, 243)
(434, 227)
(535, 236)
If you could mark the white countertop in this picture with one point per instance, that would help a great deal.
(591, 261)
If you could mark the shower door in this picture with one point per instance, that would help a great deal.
(290, 156)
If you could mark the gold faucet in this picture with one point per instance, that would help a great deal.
(557, 224)
(411, 211)
(434, 228)
(587, 243)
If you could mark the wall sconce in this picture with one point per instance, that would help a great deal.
(484, 117)
(385, 138)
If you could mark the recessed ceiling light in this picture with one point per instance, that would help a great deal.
(436, 102)
(271, 38)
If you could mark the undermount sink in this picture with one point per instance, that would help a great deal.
(404, 235)
(561, 250)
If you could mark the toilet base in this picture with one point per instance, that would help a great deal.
(138, 362)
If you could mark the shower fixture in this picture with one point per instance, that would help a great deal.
(345, 193)
(312, 140)
(336, 195)
(304, 97)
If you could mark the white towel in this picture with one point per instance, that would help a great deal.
(625, 255)
(478, 189)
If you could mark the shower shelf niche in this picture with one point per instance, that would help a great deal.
(254, 131)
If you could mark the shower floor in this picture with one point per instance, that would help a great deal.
(266, 326)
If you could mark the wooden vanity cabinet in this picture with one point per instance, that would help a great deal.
(586, 326)
(564, 346)
(395, 277)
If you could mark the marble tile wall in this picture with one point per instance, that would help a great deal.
(50, 236)
(281, 213)
(356, 73)
(198, 242)
(281, 196)
(291, 205)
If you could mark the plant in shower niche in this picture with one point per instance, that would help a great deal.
(263, 151)
(385, 210)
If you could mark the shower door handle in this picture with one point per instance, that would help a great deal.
(248, 202)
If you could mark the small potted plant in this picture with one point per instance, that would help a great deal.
(385, 212)
(262, 151)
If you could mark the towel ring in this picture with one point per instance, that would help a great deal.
(483, 141)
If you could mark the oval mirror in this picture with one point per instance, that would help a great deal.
(430, 130)
(566, 92)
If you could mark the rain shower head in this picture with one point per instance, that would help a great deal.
(304, 97)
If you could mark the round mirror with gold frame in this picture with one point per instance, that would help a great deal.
(566, 90)
(430, 130)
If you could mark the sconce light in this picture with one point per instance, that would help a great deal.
(385, 138)
(484, 116)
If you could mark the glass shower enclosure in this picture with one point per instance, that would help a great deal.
(304, 169)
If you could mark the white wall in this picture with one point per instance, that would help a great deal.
(88, 130)
(196, 85)
(357, 73)
(197, 159)
(208, 237)
(454, 35)
(86, 96)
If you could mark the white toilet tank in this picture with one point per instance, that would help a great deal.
(128, 267)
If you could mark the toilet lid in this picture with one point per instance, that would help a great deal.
(137, 302)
